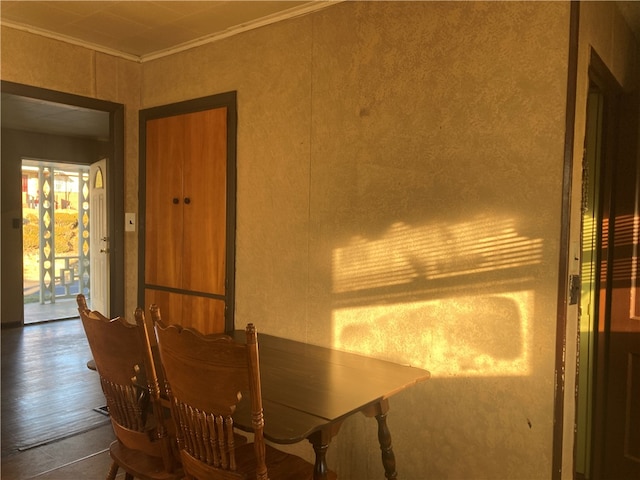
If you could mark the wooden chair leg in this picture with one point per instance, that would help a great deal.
(128, 476)
(113, 471)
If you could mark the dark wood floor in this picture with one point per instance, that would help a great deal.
(48, 393)
(49, 428)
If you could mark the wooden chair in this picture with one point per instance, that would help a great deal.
(206, 377)
(124, 362)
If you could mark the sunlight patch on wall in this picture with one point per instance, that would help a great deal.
(488, 335)
(405, 254)
(455, 299)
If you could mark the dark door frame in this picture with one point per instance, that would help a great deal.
(564, 254)
(115, 187)
(608, 88)
(228, 100)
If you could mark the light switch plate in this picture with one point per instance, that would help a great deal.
(129, 222)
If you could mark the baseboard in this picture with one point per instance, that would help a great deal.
(10, 325)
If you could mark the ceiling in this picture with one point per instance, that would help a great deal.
(41, 116)
(142, 31)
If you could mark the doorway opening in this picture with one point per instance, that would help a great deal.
(607, 417)
(590, 239)
(55, 239)
(62, 128)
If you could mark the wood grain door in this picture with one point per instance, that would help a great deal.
(204, 201)
(205, 314)
(165, 155)
(188, 217)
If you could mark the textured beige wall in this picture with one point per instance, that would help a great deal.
(604, 31)
(399, 187)
(41, 62)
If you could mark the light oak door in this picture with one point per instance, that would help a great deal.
(164, 213)
(204, 202)
(186, 218)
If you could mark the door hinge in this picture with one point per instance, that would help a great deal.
(574, 289)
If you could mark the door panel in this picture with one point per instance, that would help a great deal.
(205, 185)
(202, 313)
(99, 238)
(170, 305)
(164, 206)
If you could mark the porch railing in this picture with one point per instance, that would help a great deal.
(62, 276)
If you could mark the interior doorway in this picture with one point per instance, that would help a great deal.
(591, 234)
(65, 129)
(608, 399)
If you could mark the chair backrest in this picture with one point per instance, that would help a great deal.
(207, 377)
(150, 334)
(123, 359)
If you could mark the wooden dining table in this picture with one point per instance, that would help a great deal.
(308, 391)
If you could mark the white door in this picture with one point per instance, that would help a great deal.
(98, 238)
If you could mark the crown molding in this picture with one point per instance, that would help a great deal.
(66, 39)
(260, 22)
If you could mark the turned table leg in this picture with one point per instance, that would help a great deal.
(320, 441)
(388, 457)
(380, 410)
(320, 469)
